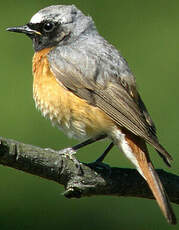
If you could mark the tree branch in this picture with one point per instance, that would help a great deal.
(88, 180)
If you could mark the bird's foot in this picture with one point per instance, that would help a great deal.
(70, 152)
(67, 152)
(99, 166)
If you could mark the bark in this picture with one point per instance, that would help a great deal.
(80, 179)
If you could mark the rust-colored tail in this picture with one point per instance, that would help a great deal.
(146, 169)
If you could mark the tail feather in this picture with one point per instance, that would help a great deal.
(159, 193)
(136, 150)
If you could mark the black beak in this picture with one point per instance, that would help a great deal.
(23, 29)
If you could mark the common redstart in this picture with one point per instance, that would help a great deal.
(85, 87)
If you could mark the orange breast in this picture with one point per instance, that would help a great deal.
(69, 112)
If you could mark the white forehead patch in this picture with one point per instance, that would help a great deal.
(37, 18)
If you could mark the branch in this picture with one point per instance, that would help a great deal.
(88, 180)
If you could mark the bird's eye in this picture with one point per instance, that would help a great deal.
(48, 27)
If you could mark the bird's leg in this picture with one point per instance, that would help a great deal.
(87, 142)
(98, 164)
(107, 150)
(72, 150)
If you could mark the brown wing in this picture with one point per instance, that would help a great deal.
(115, 100)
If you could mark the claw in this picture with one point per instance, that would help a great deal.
(69, 152)
(100, 166)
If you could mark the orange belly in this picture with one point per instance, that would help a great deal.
(72, 114)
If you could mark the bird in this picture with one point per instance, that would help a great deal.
(86, 88)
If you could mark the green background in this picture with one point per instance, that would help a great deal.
(147, 34)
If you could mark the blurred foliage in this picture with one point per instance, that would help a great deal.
(147, 34)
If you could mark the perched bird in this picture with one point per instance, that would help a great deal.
(84, 85)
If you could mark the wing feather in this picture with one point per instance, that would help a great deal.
(115, 100)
